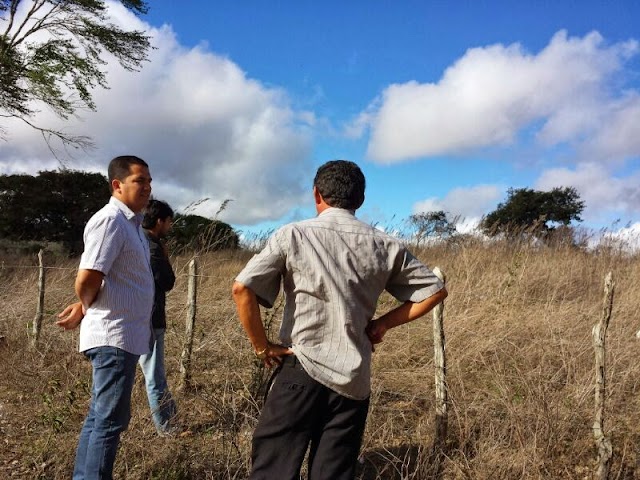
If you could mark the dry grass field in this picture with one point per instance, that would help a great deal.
(520, 363)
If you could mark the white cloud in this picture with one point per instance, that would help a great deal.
(626, 238)
(617, 139)
(204, 127)
(492, 93)
(466, 203)
(602, 192)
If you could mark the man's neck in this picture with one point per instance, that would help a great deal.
(153, 233)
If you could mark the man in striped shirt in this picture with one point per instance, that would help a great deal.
(333, 269)
(115, 287)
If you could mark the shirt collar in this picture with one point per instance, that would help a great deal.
(128, 213)
(337, 211)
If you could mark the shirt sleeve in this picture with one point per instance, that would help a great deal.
(103, 241)
(411, 280)
(263, 273)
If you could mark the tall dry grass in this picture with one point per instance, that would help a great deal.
(520, 371)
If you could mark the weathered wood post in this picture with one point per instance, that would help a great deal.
(37, 321)
(185, 360)
(440, 363)
(599, 333)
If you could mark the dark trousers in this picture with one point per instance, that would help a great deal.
(300, 412)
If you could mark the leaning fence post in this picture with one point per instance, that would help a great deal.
(440, 363)
(185, 360)
(599, 333)
(37, 321)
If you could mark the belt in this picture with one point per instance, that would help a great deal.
(291, 361)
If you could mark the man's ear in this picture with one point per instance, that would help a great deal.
(115, 185)
(317, 196)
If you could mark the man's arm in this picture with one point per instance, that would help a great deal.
(161, 267)
(88, 283)
(405, 313)
(249, 315)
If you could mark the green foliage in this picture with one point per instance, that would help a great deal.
(435, 224)
(53, 56)
(533, 211)
(53, 206)
(200, 234)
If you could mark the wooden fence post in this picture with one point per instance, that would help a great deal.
(599, 333)
(37, 321)
(440, 363)
(185, 360)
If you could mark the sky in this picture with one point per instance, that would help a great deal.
(444, 105)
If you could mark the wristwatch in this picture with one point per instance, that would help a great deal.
(262, 354)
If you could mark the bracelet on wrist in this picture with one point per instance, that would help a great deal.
(262, 354)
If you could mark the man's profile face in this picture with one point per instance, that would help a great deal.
(164, 226)
(134, 191)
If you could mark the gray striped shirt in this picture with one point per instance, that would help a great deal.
(333, 269)
(120, 316)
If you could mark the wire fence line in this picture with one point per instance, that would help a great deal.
(188, 349)
(75, 269)
(442, 400)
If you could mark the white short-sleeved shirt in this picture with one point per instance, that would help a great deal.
(120, 316)
(333, 269)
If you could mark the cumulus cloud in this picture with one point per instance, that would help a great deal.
(207, 130)
(601, 191)
(493, 93)
(468, 205)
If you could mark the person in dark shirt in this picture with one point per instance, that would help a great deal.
(157, 221)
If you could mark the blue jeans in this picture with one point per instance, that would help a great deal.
(109, 412)
(163, 408)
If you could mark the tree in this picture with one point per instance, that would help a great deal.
(51, 53)
(196, 233)
(434, 224)
(533, 211)
(53, 206)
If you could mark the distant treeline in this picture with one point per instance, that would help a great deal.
(54, 207)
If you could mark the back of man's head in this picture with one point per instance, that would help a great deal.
(119, 167)
(341, 184)
(156, 210)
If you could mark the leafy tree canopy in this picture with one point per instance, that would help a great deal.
(200, 234)
(53, 206)
(434, 224)
(51, 53)
(531, 210)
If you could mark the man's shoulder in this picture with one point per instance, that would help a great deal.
(108, 217)
(343, 221)
(338, 220)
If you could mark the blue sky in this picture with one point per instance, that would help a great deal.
(444, 105)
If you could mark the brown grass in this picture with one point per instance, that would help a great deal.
(520, 370)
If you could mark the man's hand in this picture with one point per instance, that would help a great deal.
(274, 354)
(376, 330)
(71, 316)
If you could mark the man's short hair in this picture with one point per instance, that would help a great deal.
(120, 167)
(341, 184)
(156, 210)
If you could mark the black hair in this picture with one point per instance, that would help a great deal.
(120, 167)
(156, 210)
(341, 184)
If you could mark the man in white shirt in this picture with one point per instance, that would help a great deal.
(115, 287)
